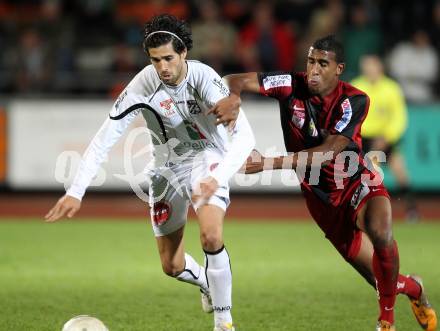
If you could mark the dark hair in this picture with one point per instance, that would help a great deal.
(170, 23)
(329, 43)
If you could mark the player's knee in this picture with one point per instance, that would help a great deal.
(211, 241)
(171, 269)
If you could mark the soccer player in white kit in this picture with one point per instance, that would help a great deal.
(194, 159)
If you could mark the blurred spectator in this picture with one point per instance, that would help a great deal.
(414, 64)
(265, 44)
(361, 36)
(123, 67)
(214, 38)
(33, 70)
(435, 37)
(324, 20)
(386, 122)
(142, 11)
(235, 11)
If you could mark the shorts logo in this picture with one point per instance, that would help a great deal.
(277, 81)
(193, 107)
(358, 195)
(161, 212)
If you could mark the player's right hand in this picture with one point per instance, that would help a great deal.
(254, 163)
(226, 110)
(66, 205)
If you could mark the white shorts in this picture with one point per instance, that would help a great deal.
(170, 194)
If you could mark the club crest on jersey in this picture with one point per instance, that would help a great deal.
(193, 107)
(298, 115)
(168, 106)
(161, 212)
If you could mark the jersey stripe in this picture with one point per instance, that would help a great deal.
(140, 106)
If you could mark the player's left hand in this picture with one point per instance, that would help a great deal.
(254, 163)
(204, 190)
(226, 110)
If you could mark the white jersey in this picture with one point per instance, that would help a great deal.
(177, 120)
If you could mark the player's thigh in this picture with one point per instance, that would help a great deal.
(168, 206)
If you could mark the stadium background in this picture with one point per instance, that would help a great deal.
(62, 63)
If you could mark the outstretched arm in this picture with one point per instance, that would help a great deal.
(96, 153)
(333, 144)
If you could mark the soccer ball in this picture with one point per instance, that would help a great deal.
(84, 323)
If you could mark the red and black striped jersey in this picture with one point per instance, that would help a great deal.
(308, 119)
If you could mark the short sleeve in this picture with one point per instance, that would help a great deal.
(211, 86)
(351, 115)
(276, 84)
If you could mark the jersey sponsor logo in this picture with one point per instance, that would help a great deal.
(222, 88)
(358, 195)
(161, 212)
(193, 107)
(277, 81)
(199, 145)
(346, 116)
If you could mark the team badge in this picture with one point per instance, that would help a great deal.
(161, 212)
(166, 104)
(298, 115)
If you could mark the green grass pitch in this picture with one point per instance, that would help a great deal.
(286, 277)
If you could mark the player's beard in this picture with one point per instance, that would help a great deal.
(177, 77)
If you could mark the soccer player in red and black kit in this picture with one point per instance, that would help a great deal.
(322, 116)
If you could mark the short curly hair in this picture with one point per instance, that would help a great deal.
(331, 44)
(170, 23)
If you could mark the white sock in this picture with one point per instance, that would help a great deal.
(193, 274)
(218, 272)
